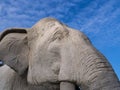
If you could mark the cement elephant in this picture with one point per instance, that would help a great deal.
(51, 52)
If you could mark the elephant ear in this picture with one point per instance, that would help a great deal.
(14, 49)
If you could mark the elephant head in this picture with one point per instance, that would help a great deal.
(51, 52)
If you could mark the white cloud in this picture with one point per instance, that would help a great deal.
(92, 19)
(14, 11)
(100, 27)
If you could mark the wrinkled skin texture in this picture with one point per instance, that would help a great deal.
(51, 52)
(10, 80)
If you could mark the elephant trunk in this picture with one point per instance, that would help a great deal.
(97, 73)
(85, 66)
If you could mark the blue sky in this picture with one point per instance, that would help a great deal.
(98, 19)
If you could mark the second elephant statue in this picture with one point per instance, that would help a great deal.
(52, 53)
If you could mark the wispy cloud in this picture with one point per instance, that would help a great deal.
(100, 22)
(19, 12)
(95, 18)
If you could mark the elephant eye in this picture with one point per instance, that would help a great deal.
(1, 63)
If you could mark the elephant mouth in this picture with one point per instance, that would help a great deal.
(24, 75)
(57, 86)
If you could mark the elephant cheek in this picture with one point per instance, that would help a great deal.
(37, 75)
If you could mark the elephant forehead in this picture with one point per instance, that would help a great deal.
(44, 22)
(40, 28)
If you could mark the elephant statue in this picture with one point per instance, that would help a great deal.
(52, 53)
